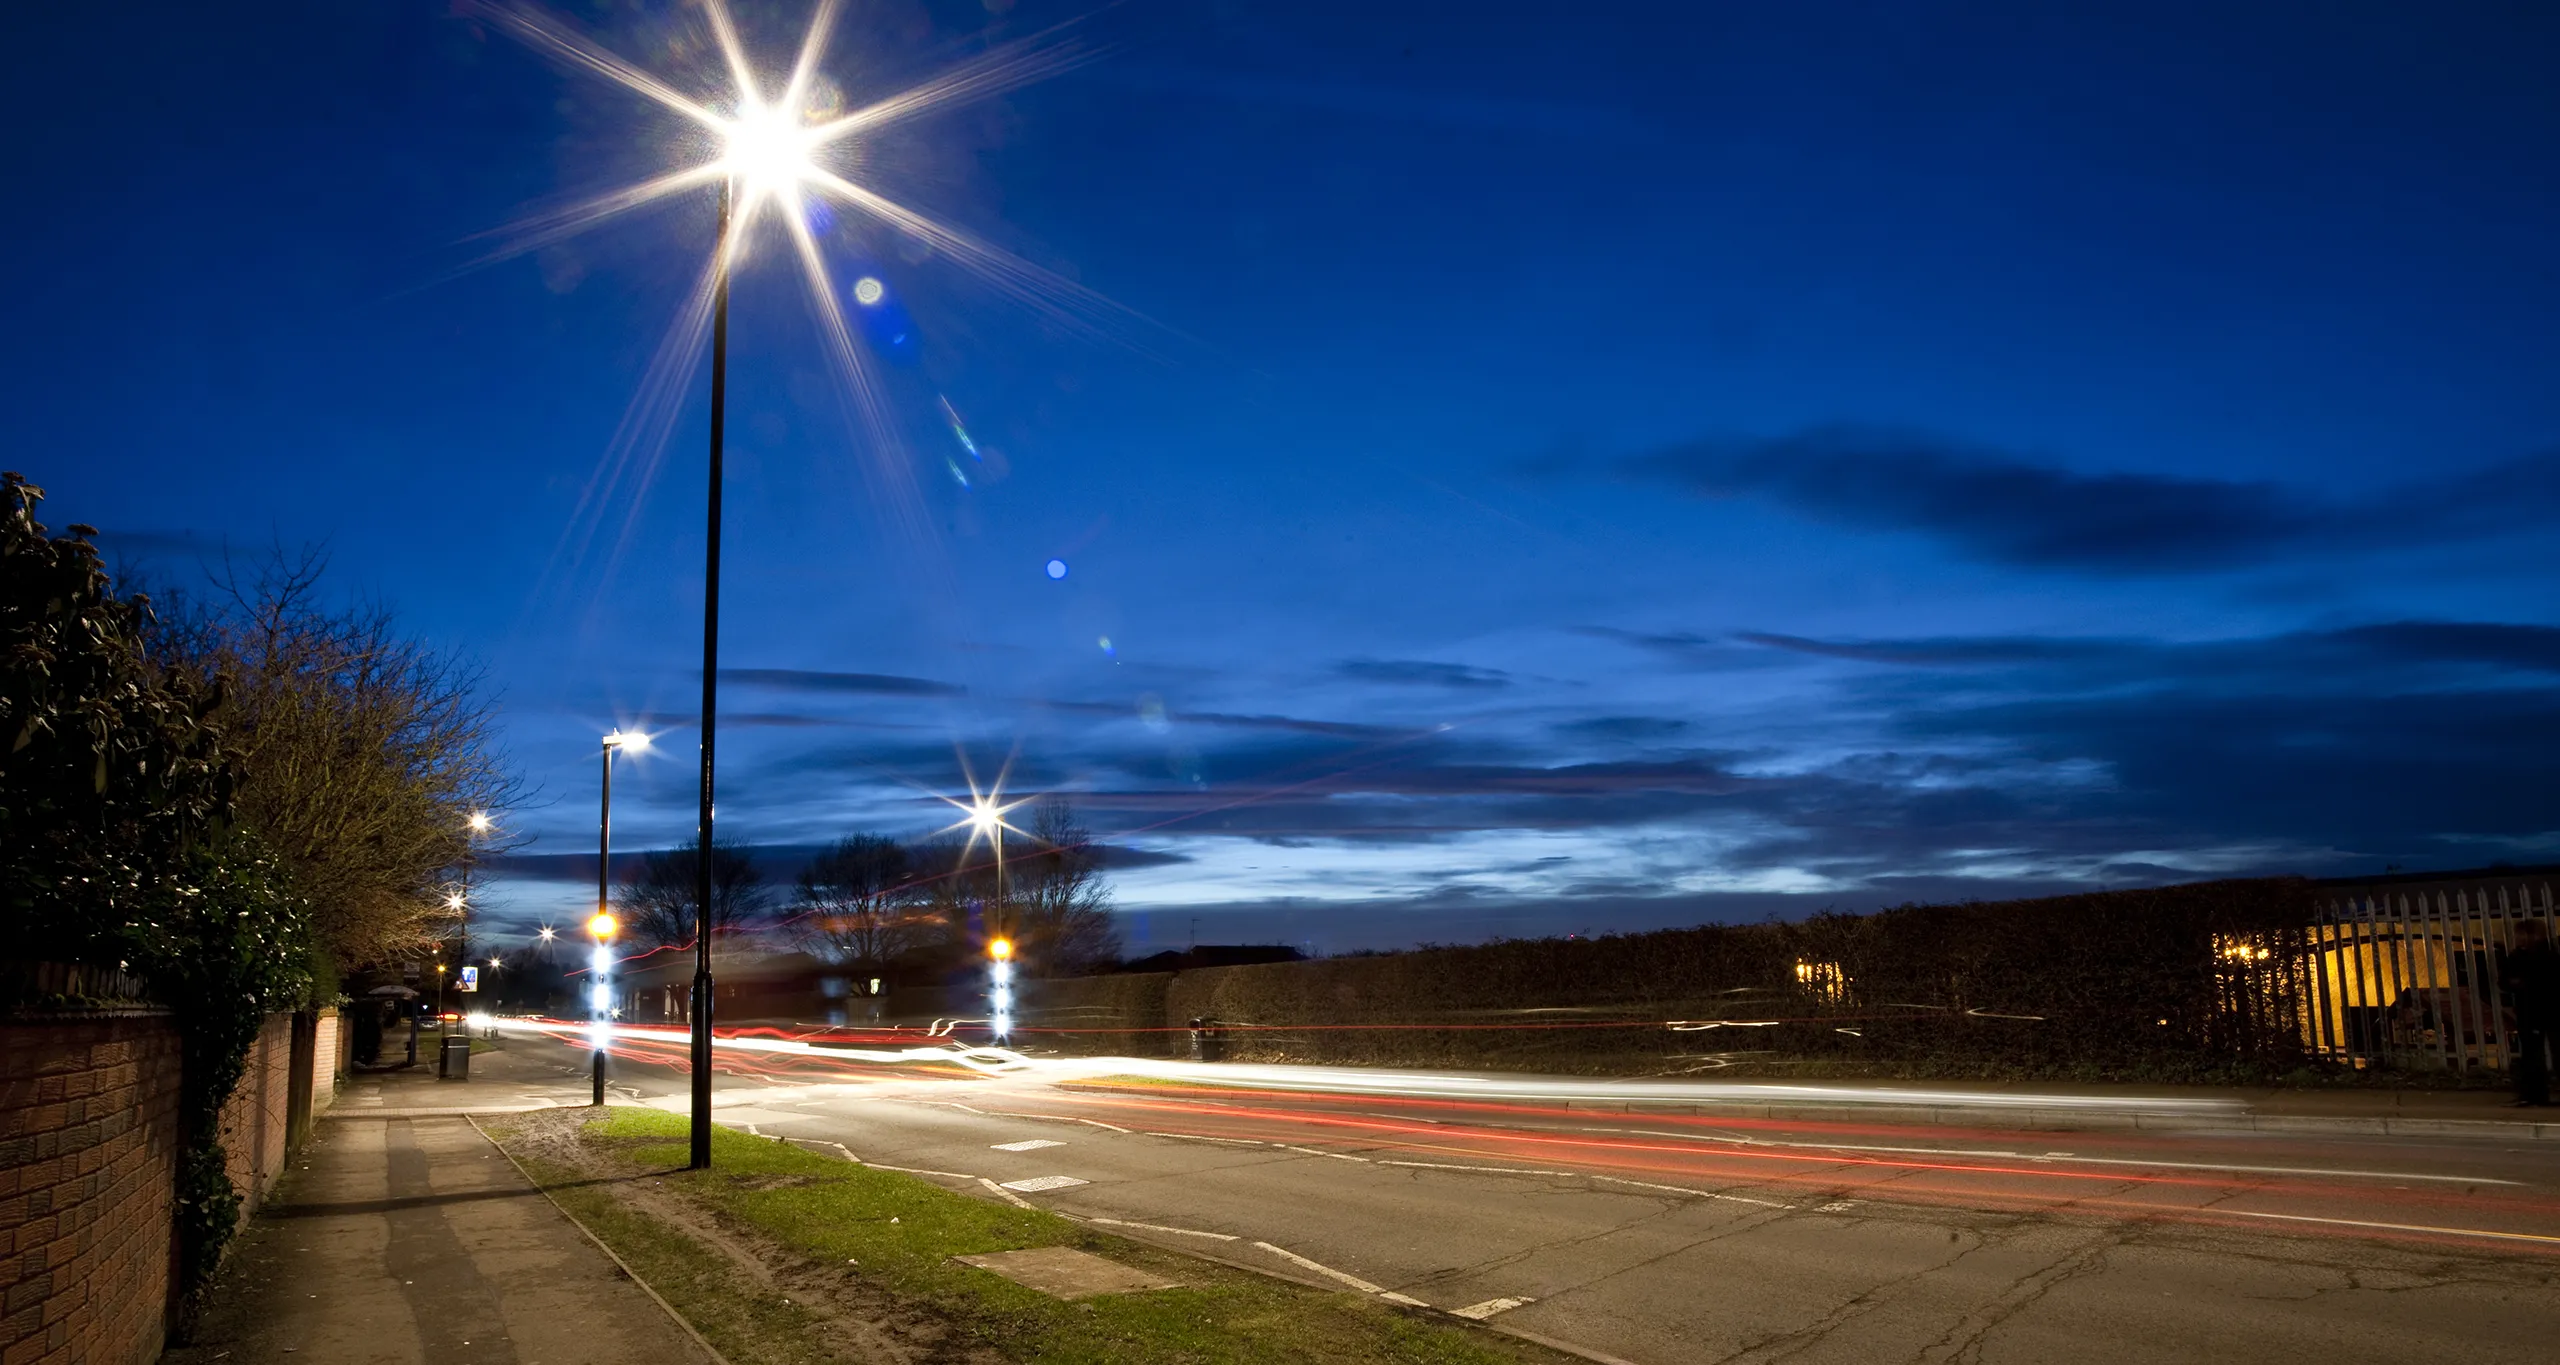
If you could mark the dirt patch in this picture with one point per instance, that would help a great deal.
(863, 1322)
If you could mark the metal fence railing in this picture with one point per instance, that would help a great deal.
(2405, 973)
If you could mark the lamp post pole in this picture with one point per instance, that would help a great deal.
(701, 1154)
(597, 1007)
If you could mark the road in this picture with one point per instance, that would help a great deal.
(1666, 1238)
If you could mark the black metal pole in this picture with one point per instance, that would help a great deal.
(604, 901)
(710, 701)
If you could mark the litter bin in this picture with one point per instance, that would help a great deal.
(1208, 1043)
(453, 1060)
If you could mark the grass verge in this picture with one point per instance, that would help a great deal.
(849, 1241)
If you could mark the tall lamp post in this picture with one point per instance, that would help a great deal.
(701, 1151)
(602, 926)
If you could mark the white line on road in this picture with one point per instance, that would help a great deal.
(1485, 1170)
(1202, 1137)
(2050, 1158)
(1159, 1227)
(1325, 1270)
(1586, 1175)
(822, 1142)
(1038, 1183)
(2387, 1227)
(918, 1170)
(1026, 1145)
(1312, 1151)
(1486, 1309)
(1694, 1194)
(1407, 1300)
(1007, 1195)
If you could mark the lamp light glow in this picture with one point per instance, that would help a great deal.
(603, 926)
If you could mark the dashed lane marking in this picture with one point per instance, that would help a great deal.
(1159, 1227)
(1203, 1137)
(1315, 1151)
(1486, 1309)
(1026, 1145)
(919, 1170)
(1038, 1183)
(1325, 1270)
(1695, 1194)
(1006, 1195)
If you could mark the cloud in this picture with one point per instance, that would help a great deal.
(2002, 507)
(868, 684)
(1424, 673)
(1629, 728)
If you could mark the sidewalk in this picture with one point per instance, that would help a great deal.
(412, 1241)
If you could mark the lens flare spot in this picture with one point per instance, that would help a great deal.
(868, 291)
(1057, 568)
(1107, 650)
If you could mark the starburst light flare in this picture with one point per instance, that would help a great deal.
(781, 150)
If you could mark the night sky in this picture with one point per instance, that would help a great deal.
(1537, 467)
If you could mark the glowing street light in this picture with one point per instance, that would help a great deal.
(770, 152)
(984, 816)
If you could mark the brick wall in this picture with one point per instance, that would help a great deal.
(88, 1152)
(329, 1062)
(255, 1120)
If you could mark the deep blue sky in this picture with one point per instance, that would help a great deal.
(1560, 466)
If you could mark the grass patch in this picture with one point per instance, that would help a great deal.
(744, 1321)
(830, 1214)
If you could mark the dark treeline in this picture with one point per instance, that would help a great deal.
(238, 792)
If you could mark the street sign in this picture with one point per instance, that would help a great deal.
(470, 978)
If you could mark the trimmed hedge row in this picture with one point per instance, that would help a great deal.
(2202, 979)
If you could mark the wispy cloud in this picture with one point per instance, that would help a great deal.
(2008, 508)
(867, 684)
(1422, 673)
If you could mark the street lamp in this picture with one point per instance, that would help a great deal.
(983, 814)
(602, 926)
(771, 153)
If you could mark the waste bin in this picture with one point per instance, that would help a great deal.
(453, 1060)
(1208, 1044)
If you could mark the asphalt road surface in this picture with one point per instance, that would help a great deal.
(1670, 1238)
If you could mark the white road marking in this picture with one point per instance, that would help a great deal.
(1838, 1206)
(823, 1142)
(918, 1170)
(1325, 1270)
(2536, 1237)
(1026, 1145)
(2051, 1157)
(1694, 1194)
(1486, 1309)
(1007, 1195)
(1201, 1137)
(1446, 1166)
(1311, 1151)
(1037, 1183)
(1051, 1118)
(1408, 1301)
(1159, 1227)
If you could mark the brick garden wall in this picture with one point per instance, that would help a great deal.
(88, 1152)
(329, 1063)
(254, 1122)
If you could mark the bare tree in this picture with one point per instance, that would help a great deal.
(363, 752)
(656, 902)
(1055, 898)
(860, 904)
